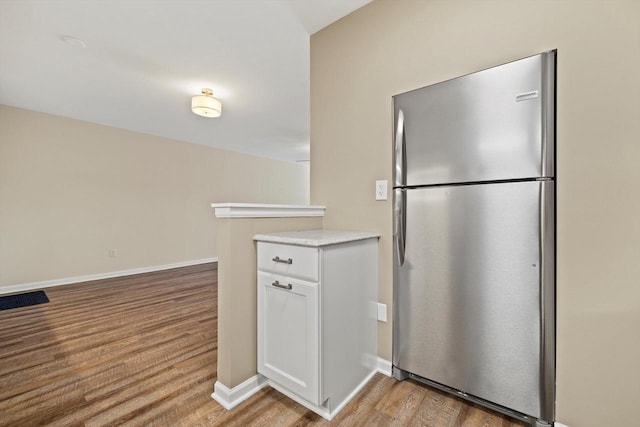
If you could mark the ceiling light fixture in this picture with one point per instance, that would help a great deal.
(206, 105)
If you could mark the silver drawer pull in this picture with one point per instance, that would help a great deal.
(284, 261)
(278, 285)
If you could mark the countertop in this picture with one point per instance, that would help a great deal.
(315, 238)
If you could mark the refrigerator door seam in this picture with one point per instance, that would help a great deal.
(459, 184)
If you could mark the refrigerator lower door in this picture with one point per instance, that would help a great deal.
(473, 300)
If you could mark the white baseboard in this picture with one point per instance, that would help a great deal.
(232, 397)
(384, 367)
(557, 424)
(357, 390)
(324, 412)
(77, 279)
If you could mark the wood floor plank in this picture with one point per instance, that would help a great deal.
(437, 409)
(404, 399)
(142, 351)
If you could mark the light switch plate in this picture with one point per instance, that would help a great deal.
(381, 189)
(382, 312)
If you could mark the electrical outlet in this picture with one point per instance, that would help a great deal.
(381, 189)
(382, 312)
(113, 253)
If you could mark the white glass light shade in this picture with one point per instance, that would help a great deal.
(206, 105)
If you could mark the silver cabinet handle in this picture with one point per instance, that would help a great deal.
(278, 285)
(284, 261)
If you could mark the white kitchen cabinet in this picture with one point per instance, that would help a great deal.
(317, 315)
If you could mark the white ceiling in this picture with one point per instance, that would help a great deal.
(144, 60)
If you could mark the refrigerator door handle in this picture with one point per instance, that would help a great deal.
(400, 223)
(400, 202)
(400, 152)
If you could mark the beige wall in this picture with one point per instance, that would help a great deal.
(391, 46)
(72, 190)
(237, 291)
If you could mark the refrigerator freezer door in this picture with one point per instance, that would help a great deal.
(467, 298)
(490, 125)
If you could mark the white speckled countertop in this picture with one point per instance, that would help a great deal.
(314, 238)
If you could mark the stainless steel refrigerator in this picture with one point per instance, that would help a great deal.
(474, 237)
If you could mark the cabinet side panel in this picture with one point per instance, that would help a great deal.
(348, 286)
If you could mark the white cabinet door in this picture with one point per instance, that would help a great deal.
(288, 334)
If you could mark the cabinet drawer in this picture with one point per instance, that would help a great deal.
(288, 260)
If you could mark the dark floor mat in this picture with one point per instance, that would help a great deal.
(23, 300)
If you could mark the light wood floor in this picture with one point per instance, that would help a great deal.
(141, 350)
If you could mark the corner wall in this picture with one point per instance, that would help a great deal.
(71, 190)
(389, 47)
(237, 291)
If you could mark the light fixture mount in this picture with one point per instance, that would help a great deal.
(206, 105)
(73, 41)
